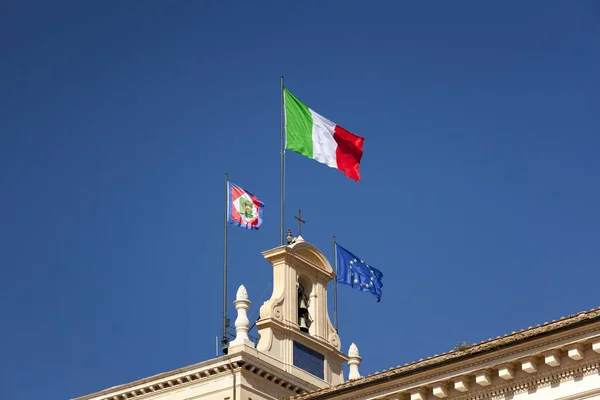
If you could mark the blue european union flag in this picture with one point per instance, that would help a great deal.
(356, 273)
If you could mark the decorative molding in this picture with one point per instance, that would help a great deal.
(500, 347)
(277, 312)
(197, 377)
(397, 396)
(483, 378)
(485, 390)
(529, 365)
(575, 352)
(515, 353)
(462, 384)
(506, 371)
(552, 358)
(582, 396)
(418, 394)
(529, 383)
(334, 339)
(440, 390)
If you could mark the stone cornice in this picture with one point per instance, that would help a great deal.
(197, 373)
(588, 366)
(500, 360)
(304, 253)
(499, 349)
(537, 381)
(167, 380)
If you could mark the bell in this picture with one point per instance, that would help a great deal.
(302, 303)
(304, 323)
(302, 300)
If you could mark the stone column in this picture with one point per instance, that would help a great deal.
(353, 362)
(242, 323)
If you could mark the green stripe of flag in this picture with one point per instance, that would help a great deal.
(298, 126)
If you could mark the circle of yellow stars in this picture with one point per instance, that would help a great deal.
(366, 285)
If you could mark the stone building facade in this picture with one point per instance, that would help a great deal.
(298, 355)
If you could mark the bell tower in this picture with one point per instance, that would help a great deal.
(294, 326)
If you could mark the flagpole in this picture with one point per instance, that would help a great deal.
(282, 163)
(335, 306)
(224, 337)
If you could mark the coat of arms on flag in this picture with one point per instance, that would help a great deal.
(244, 209)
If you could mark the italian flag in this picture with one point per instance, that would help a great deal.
(316, 137)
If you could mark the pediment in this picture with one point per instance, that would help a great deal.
(312, 254)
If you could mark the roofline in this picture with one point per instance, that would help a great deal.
(156, 377)
(238, 361)
(564, 324)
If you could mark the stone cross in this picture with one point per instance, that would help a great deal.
(300, 222)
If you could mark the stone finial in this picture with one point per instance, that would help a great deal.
(353, 362)
(353, 351)
(241, 294)
(242, 323)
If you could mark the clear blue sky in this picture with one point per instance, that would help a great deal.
(478, 200)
